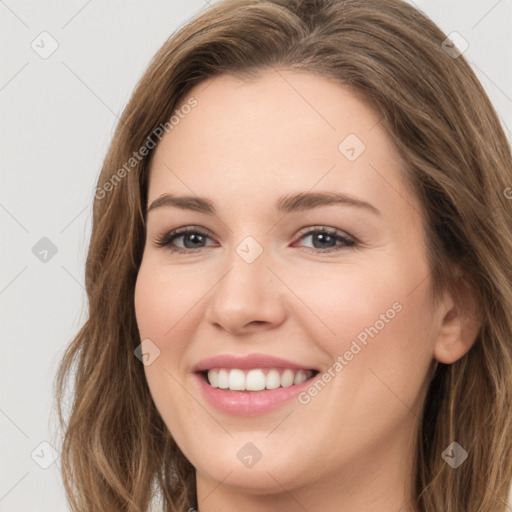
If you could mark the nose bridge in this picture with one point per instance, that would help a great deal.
(248, 291)
(249, 249)
(248, 274)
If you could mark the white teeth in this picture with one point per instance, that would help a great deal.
(223, 380)
(287, 378)
(300, 377)
(273, 379)
(256, 379)
(236, 380)
(214, 379)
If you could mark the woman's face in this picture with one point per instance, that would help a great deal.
(262, 278)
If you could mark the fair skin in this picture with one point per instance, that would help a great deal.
(244, 145)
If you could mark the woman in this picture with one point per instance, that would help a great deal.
(227, 366)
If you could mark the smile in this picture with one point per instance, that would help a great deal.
(246, 402)
(257, 379)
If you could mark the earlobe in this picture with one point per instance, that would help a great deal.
(457, 332)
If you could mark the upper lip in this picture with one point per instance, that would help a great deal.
(247, 362)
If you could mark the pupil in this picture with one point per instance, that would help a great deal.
(323, 237)
(193, 235)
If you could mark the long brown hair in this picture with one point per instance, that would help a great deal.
(117, 452)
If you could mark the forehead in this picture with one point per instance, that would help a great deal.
(283, 131)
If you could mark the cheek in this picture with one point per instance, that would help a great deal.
(379, 316)
(162, 298)
(165, 314)
(383, 333)
(343, 302)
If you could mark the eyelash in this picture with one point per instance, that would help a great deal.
(165, 240)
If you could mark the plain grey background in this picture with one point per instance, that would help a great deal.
(59, 112)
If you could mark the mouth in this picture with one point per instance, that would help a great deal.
(255, 380)
(252, 384)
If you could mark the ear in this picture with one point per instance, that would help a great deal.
(460, 322)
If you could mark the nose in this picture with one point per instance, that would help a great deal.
(248, 297)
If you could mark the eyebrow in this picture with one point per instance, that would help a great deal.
(288, 203)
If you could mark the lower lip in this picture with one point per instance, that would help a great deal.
(249, 403)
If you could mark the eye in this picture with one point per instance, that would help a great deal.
(322, 238)
(190, 236)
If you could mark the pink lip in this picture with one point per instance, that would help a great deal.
(249, 403)
(247, 362)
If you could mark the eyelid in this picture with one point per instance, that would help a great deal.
(165, 240)
(325, 228)
(172, 234)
